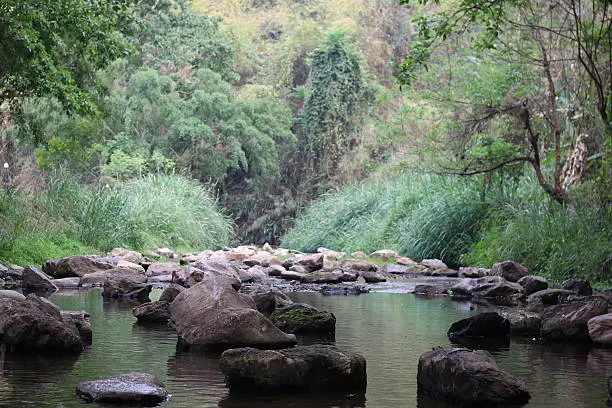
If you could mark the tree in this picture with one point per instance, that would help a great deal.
(570, 44)
(54, 48)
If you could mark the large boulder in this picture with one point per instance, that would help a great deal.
(152, 312)
(311, 263)
(163, 268)
(299, 318)
(358, 265)
(568, 321)
(101, 277)
(315, 368)
(509, 270)
(538, 301)
(533, 284)
(522, 322)
(36, 326)
(468, 378)
(373, 276)
(127, 255)
(34, 281)
(212, 314)
(76, 265)
(132, 389)
(489, 324)
(600, 329)
(488, 287)
(580, 286)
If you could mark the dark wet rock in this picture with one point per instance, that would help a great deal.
(430, 290)
(81, 321)
(268, 300)
(171, 292)
(489, 324)
(488, 287)
(310, 263)
(163, 268)
(600, 329)
(76, 266)
(11, 294)
(67, 283)
(315, 368)
(373, 277)
(471, 378)
(395, 269)
(533, 284)
(133, 389)
(34, 280)
(346, 289)
(538, 301)
(35, 326)
(580, 286)
(433, 263)
(212, 314)
(358, 265)
(335, 276)
(127, 255)
(152, 312)
(473, 272)
(448, 273)
(125, 287)
(509, 270)
(300, 318)
(110, 275)
(522, 322)
(568, 321)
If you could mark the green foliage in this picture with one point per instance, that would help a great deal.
(335, 89)
(53, 48)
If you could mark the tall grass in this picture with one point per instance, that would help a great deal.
(454, 220)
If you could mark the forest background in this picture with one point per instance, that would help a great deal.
(472, 131)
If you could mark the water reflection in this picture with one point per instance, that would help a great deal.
(321, 400)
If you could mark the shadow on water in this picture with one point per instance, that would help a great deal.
(321, 400)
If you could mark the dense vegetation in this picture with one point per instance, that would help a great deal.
(157, 123)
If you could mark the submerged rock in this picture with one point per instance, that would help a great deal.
(131, 389)
(314, 368)
(568, 321)
(471, 378)
(300, 318)
(212, 314)
(430, 290)
(600, 329)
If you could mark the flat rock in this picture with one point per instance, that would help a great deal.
(468, 378)
(600, 329)
(335, 276)
(293, 275)
(433, 263)
(67, 283)
(299, 318)
(101, 277)
(445, 272)
(430, 290)
(163, 268)
(395, 269)
(542, 299)
(132, 389)
(358, 265)
(315, 368)
(384, 254)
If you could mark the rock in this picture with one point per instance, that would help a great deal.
(473, 272)
(359, 254)
(541, 299)
(152, 312)
(315, 368)
(275, 270)
(253, 274)
(34, 326)
(267, 247)
(489, 324)
(163, 268)
(395, 269)
(76, 266)
(445, 272)
(463, 289)
(417, 269)
(522, 322)
(430, 290)
(196, 275)
(600, 329)
(384, 254)
(403, 260)
(433, 263)
(358, 265)
(171, 292)
(81, 321)
(268, 300)
(262, 258)
(471, 378)
(11, 294)
(166, 253)
(532, 284)
(299, 318)
(130, 265)
(67, 282)
(568, 321)
(10, 273)
(34, 281)
(488, 287)
(509, 270)
(160, 279)
(310, 263)
(134, 389)
(127, 255)
(219, 267)
(123, 286)
(331, 255)
(292, 275)
(373, 277)
(580, 286)
(335, 276)
(212, 314)
(344, 289)
(101, 277)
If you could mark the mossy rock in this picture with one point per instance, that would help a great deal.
(304, 319)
